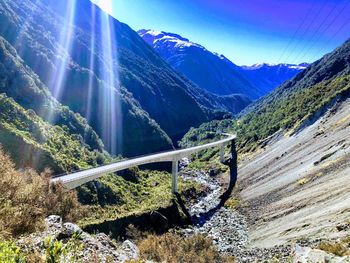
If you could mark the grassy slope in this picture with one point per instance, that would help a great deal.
(120, 196)
(286, 114)
(33, 142)
(286, 108)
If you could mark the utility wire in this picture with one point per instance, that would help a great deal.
(317, 35)
(305, 32)
(291, 40)
(322, 49)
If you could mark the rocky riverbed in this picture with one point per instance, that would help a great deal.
(226, 227)
(229, 231)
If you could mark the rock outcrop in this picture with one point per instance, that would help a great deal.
(77, 244)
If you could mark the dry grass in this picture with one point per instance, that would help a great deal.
(232, 203)
(339, 248)
(26, 198)
(303, 181)
(173, 248)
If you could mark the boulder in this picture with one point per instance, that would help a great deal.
(53, 220)
(309, 255)
(68, 230)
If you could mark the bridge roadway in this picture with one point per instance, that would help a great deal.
(76, 179)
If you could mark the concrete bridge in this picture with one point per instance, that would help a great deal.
(76, 179)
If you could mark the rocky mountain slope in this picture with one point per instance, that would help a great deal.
(215, 72)
(297, 186)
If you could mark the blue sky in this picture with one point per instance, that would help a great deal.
(249, 31)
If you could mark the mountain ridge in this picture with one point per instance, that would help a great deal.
(215, 72)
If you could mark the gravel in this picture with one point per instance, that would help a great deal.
(226, 227)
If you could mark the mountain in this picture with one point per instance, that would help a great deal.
(35, 129)
(269, 76)
(208, 70)
(294, 147)
(290, 107)
(215, 72)
(129, 95)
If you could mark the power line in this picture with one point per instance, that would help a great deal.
(321, 50)
(318, 12)
(307, 49)
(291, 40)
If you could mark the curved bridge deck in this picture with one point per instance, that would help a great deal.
(74, 180)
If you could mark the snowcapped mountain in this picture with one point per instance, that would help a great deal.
(210, 71)
(214, 72)
(301, 66)
(267, 76)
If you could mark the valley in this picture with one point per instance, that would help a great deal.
(108, 111)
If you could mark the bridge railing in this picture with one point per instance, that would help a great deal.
(74, 180)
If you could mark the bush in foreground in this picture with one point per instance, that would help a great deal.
(26, 198)
(173, 248)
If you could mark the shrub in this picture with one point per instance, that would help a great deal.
(173, 248)
(10, 253)
(303, 181)
(339, 248)
(26, 198)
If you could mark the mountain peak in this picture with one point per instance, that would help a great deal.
(300, 66)
(154, 37)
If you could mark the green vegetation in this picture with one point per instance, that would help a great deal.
(339, 248)
(232, 203)
(57, 251)
(303, 181)
(10, 253)
(21, 84)
(33, 142)
(116, 196)
(173, 248)
(285, 114)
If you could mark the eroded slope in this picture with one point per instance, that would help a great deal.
(299, 185)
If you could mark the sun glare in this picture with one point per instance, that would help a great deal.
(106, 5)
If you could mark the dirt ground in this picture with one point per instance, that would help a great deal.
(299, 186)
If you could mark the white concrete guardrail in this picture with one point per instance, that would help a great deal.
(76, 179)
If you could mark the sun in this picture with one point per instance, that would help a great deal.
(106, 5)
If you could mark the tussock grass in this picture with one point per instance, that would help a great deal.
(339, 248)
(173, 248)
(26, 198)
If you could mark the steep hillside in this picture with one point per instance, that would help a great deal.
(298, 186)
(294, 158)
(293, 105)
(333, 65)
(35, 143)
(90, 79)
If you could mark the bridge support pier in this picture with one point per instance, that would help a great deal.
(175, 171)
(222, 153)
